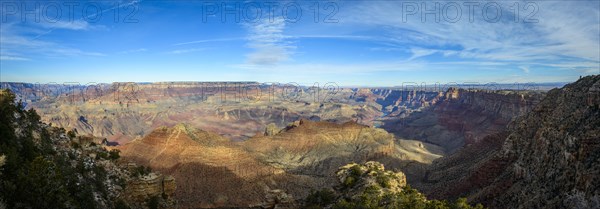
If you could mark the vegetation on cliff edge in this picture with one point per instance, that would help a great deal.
(370, 186)
(36, 173)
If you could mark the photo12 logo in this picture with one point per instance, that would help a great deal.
(252, 12)
(455, 11)
(68, 11)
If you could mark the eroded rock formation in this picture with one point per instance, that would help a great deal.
(461, 117)
(212, 171)
(548, 158)
(153, 185)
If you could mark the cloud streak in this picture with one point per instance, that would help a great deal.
(268, 42)
(13, 58)
(208, 41)
(133, 51)
(567, 32)
(16, 46)
(184, 51)
(68, 25)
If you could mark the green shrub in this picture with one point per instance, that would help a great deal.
(114, 154)
(153, 202)
(101, 155)
(383, 180)
(121, 204)
(142, 171)
(75, 145)
(321, 198)
(343, 204)
(71, 134)
(355, 171)
(349, 182)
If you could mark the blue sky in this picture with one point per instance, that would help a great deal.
(365, 43)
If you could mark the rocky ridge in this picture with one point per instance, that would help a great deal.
(547, 158)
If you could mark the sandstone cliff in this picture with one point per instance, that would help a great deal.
(153, 185)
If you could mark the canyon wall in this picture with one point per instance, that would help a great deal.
(458, 116)
(547, 158)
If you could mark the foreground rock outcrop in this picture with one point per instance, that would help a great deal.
(153, 185)
(369, 185)
(357, 178)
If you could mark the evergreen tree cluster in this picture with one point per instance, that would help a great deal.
(34, 173)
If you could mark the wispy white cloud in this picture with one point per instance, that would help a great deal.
(329, 36)
(420, 52)
(5, 57)
(69, 25)
(81, 24)
(208, 40)
(133, 51)
(63, 51)
(336, 68)
(567, 33)
(183, 51)
(269, 43)
(17, 45)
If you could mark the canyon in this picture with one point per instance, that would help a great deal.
(251, 145)
(122, 112)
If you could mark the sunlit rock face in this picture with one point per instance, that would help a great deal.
(124, 111)
(143, 188)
